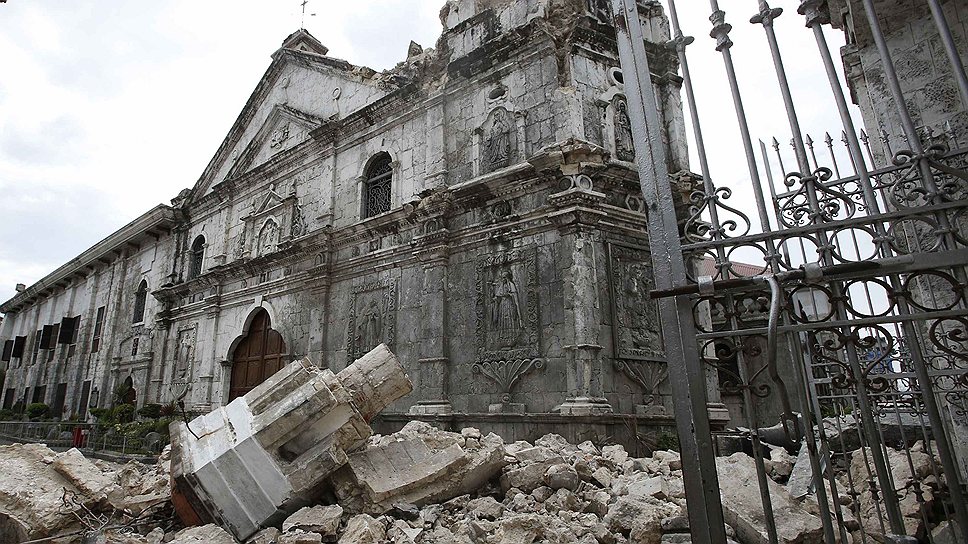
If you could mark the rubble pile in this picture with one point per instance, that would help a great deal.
(44, 494)
(294, 461)
(422, 485)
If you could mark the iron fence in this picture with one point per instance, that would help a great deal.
(852, 323)
(86, 437)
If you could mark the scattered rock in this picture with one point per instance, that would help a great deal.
(743, 506)
(323, 520)
(206, 534)
(485, 508)
(561, 476)
(363, 529)
(265, 536)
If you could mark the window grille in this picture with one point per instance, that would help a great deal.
(196, 258)
(376, 191)
(140, 297)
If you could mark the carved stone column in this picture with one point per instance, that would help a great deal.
(576, 218)
(434, 361)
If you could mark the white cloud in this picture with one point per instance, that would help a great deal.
(108, 108)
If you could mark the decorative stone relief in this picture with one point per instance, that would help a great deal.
(279, 136)
(268, 237)
(507, 373)
(649, 375)
(372, 317)
(297, 227)
(240, 244)
(624, 149)
(184, 360)
(634, 315)
(497, 142)
(507, 306)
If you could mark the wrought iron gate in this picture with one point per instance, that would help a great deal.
(859, 284)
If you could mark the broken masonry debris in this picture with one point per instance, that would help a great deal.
(263, 456)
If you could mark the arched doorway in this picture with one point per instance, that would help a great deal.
(260, 354)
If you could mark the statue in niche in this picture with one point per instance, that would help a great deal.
(637, 290)
(506, 309)
(599, 10)
(497, 147)
(624, 149)
(369, 328)
(268, 237)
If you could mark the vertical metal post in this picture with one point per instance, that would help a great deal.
(687, 375)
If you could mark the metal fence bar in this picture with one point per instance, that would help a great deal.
(687, 378)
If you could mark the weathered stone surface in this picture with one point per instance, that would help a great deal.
(299, 537)
(363, 529)
(800, 481)
(269, 535)
(84, 475)
(205, 534)
(656, 487)
(485, 508)
(410, 469)
(639, 518)
(743, 507)
(561, 476)
(901, 464)
(31, 490)
(317, 519)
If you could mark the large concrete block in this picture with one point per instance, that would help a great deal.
(263, 456)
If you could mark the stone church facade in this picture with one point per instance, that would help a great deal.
(475, 209)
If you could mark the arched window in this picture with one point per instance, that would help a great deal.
(196, 257)
(140, 297)
(376, 188)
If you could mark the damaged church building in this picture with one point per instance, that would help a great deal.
(476, 209)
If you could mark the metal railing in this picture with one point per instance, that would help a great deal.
(88, 437)
(864, 273)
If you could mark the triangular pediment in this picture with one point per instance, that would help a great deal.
(283, 129)
(302, 40)
(284, 107)
(270, 201)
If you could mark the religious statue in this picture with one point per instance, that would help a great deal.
(497, 149)
(624, 148)
(599, 10)
(267, 238)
(506, 311)
(369, 329)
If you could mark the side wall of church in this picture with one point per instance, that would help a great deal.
(104, 361)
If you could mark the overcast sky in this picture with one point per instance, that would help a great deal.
(110, 107)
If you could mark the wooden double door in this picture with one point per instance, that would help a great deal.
(259, 355)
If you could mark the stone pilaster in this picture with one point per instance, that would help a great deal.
(576, 218)
(434, 362)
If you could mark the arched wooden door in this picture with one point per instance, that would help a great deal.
(259, 355)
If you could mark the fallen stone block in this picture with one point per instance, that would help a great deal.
(411, 471)
(269, 535)
(743, 506)
(205, 534)
(363, 529)
(317, 519)
(264, 455)
(32, 491)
